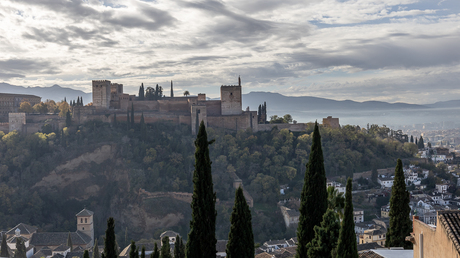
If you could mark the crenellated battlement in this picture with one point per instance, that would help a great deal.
(101, 81)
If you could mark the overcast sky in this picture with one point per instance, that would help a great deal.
(388, 50)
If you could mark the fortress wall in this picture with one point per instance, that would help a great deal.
(213, 107)
(144, 105)
(235, 122)
(35, 118)
(5, 127)
(292, 127)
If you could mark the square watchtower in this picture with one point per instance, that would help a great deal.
(231, 100)
(85, 223)
(101, 93)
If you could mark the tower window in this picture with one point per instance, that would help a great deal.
(81, 220)
(231, 93)
(86, 220)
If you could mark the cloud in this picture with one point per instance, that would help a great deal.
(14, 67)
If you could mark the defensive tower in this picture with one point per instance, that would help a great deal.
(101, 93)
(230, 96)
(85, 223)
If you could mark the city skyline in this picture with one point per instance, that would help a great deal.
(393, 51)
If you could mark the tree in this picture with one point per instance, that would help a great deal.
(186, 93)
(240, 239)
(68, 119)
(313, 200)
(346, 246)
(326, 236)
(156, 252)
(69, 242)
(287, 118)
(400, 223)
(374, 175)
(86, 254)
(143, 129)
(141, 92)
(420, 143)
(132, 115)
(63, 108)
(26, 107)
(412, 139)
(142, 252)
(276, 120)
(4, 247)
(202, 237)
(96, 253)
(133, 250)
(335, 200)
(165, 248)
(20, 249)
(41, 108)
(179, 248)
(110, 245)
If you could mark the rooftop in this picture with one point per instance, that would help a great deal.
(450, 220)
(84, 213)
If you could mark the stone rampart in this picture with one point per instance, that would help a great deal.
(300, 127)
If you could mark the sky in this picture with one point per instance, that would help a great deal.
(386, 50)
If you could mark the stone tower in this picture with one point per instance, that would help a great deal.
(101, 93)
(85, 223)
(230, 97)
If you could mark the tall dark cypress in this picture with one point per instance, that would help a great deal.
(400, 223)
(4, 247)
(202, 238)
(346, 246)
(240, 239)
(172, 91)
(141, 92)
(132, 115)
(143, 129)
(127, 120)
(179, 248)
(86, 254)
(143, 252)
(156, 252)
(69, 242)
(132, 250)
(165, 248)
(96, 253)
(313, 200)
(326, 236)
(421, 144)
(110, 246)
(20, 249)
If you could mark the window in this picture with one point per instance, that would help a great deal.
(86, 220)
(81, 220)
(82, 228)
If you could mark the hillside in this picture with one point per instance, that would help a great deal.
(280, 103)
(55, 92)
(112, 170)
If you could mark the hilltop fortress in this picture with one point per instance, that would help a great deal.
(109, 99)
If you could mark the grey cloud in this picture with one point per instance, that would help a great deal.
(410, 53)
(7, 76)
(20, 66)
(77, 10)
(67, 35)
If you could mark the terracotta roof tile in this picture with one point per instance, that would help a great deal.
(450, 220)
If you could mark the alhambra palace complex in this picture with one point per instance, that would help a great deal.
(110, 100)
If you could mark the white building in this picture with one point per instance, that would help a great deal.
(386, 182)
(358, 215)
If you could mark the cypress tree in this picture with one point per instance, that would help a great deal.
(400, 223)
(68, 119)
(346, 246)
(86, 254)
(202, 238)
(69, 242)
(172, 91)
(156, 252)
(142, 252)
(132, 250)
(132, 115)
(421, 144)
(127, 120)
(313, 200)
(240, 239)
(20, 249)
(142, 124)
(110, 246)
(179, 248)
(141, 92)
(165, 248)
(326, 236)
(412, 139)
(81, 101)
(96, 253)
(4, 247)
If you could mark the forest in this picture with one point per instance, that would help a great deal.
(160, 157)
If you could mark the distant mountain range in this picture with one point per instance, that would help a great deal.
(55, 92)
(275, 101)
